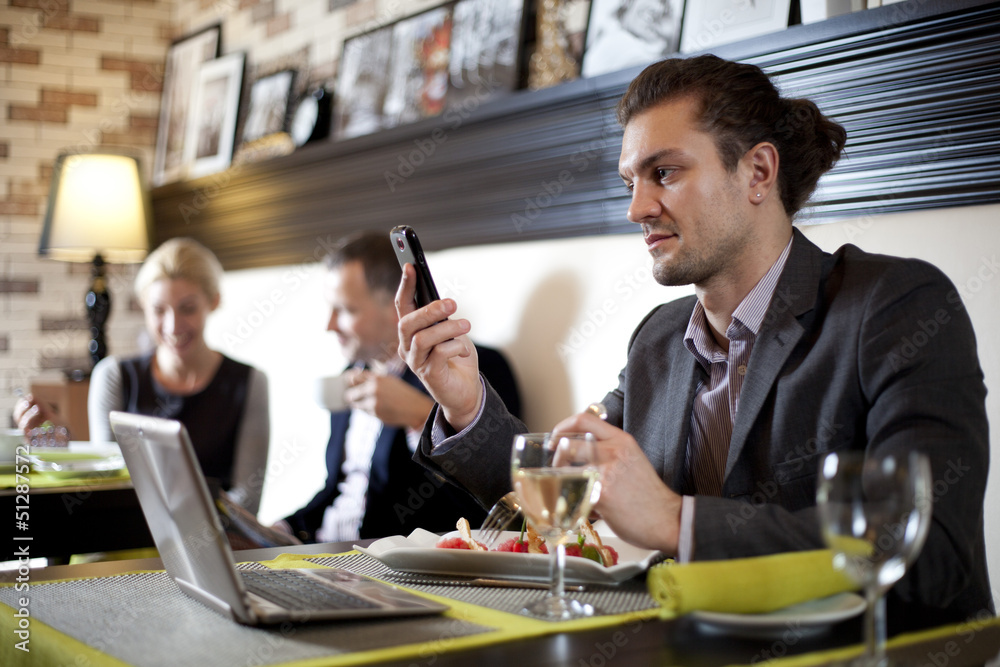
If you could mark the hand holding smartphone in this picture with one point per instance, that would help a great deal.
(408, 251)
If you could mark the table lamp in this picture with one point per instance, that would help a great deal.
(99, 212)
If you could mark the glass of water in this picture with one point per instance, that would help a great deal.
(874, 514)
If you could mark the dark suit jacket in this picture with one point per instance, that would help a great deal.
(857, 351)
(402, 494)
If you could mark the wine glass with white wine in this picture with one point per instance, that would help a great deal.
(874, 514)
(556, 480)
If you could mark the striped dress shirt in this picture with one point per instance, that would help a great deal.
(717, 398)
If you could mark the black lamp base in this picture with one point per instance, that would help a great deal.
(98, 301)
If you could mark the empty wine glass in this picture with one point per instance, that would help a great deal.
(556, 481)
(874, 514)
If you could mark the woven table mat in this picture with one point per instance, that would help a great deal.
(144, 620)
(623, 598)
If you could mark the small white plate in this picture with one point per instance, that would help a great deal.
(80, 459)
(417, 553)
(806, 616)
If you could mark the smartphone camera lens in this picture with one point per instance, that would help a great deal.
(399, 242)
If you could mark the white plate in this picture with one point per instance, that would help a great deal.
(814, 614)
(417, 553)
(80, 459)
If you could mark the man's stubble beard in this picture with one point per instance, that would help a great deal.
(691, 266)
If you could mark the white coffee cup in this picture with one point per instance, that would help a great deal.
(10, 440)
(330, 392)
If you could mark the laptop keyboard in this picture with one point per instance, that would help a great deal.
(291, 590)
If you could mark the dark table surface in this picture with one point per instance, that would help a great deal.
(78, 519)
(655, 642)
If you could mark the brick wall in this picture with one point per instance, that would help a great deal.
(88, 73)
(74, 74)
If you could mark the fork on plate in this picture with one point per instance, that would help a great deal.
(500, 516)
(506, 509)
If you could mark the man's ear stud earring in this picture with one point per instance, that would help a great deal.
(758, 194)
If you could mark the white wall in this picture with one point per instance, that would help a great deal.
(563, 312)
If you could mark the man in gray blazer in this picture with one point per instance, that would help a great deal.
(729, 398)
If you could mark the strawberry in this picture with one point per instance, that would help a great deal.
(519, 544)
(591, 551)
(514, 545)
(452, 543)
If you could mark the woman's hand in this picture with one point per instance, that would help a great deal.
(30, 413)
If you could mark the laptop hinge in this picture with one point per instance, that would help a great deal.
(209, 600)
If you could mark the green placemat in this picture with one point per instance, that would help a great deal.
(142, 619)
(9, 479)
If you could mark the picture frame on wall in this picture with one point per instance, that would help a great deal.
(418, 69)
(215, 105)
(560, 37)
(486, 41)
(267, 111)
(627, 33)
(361, 84)
(184, 59)
(710, 23)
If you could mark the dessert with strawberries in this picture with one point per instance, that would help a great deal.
(588, 544)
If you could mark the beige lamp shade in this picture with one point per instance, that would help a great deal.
(98, 204)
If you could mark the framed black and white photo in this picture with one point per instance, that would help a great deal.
(184, 58)
(214, 110)
(626, 33)
(361, 84)
(418, 70)
(709, 23)
(485, 48)
(268, 105)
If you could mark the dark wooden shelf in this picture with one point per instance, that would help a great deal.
(917, 84)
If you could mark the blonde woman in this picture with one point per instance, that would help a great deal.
(222, 402)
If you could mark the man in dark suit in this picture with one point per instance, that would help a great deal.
(373, 487)
(731, 397)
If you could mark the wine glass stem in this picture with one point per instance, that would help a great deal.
(875, 625)
(558, 568)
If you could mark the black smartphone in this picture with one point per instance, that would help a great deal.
(408, 251)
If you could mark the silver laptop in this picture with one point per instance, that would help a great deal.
(196, 554)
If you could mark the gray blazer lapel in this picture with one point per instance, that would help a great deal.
(794, 296)
(675, 420)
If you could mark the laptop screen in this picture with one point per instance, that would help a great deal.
(179, 508)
